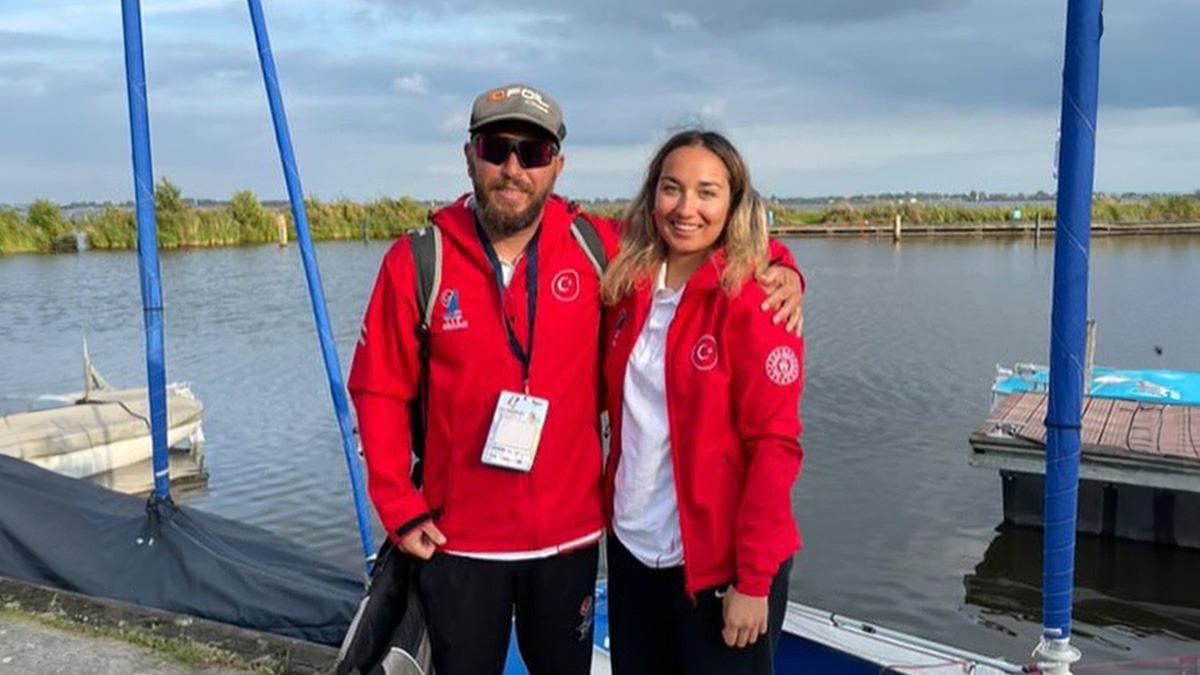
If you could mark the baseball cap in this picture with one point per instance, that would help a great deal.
(519, 102)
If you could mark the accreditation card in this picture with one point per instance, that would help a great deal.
(512, 442)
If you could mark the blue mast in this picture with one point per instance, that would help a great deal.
(316, 292)
(1081, 74)
(147, 238)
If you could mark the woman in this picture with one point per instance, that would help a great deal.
(703, 394)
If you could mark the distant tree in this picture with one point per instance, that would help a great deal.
(168, 198)
(46, 220)
(174, 216)
(254, 224)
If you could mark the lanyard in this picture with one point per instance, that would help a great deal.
(531, 270)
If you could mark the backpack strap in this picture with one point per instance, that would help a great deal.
(589, 240)
(427, 267)
(427, 258)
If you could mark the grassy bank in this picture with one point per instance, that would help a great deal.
(1175, 209)
(192, 641)
(184, 652)
(244, 220)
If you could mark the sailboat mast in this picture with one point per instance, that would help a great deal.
(147, 239)
(1081, 74)
(316, 292)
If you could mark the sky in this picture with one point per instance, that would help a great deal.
(823, 97)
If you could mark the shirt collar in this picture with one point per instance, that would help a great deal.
(662, 293)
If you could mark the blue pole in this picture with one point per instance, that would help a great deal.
(147, 238)
(1081, 76)
(316, 292)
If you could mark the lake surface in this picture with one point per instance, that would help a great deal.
(902, 343)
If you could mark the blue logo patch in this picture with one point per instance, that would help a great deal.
(452, 318)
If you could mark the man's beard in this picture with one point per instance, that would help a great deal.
(501, 223)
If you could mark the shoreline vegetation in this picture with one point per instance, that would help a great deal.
(43, 228)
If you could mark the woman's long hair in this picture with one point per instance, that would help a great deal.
(643, 250)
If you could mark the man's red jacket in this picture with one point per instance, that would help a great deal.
(483, 508)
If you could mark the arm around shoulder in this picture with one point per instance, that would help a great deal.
(779, 255)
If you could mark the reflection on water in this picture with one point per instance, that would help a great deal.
(901, 346)
(1138, 589)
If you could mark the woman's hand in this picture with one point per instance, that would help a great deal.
(745, 618)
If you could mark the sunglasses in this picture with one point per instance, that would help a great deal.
(531, 154)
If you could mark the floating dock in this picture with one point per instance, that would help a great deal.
(1139, 467)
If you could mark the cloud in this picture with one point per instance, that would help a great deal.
(411, 84)
(714, 108)
(715, 14)
(455, 123)
(17, 86)
(830, 95)
(681, 20)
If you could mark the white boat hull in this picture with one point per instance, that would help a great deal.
(100, 432)
(88, 462)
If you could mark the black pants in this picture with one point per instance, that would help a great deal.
(655, 629)
(470, 604)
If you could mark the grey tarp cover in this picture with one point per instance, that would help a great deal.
(71, 534)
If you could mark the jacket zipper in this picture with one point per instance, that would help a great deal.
(526, 389)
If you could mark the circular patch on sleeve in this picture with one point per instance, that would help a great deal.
(783, 368)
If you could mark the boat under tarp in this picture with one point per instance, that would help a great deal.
(70, 534)
(99, 431)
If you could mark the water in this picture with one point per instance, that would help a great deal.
(902, 342)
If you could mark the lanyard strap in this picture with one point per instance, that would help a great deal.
(531, 271)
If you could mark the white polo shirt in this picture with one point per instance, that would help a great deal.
(645, 511)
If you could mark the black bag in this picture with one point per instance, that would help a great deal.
(387, 635)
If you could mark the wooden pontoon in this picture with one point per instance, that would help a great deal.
(1139, 466)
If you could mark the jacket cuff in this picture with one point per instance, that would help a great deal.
(406, 515)
(411, 525)
(754, 585)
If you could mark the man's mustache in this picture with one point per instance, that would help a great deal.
(502, 183)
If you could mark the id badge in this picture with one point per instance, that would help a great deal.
(517, 424)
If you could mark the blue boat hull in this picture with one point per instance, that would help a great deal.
(815, 641)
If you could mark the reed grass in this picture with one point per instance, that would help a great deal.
(42, 228)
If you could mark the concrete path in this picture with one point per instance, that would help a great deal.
(30, 648)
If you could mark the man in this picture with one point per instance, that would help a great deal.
(509, 519)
